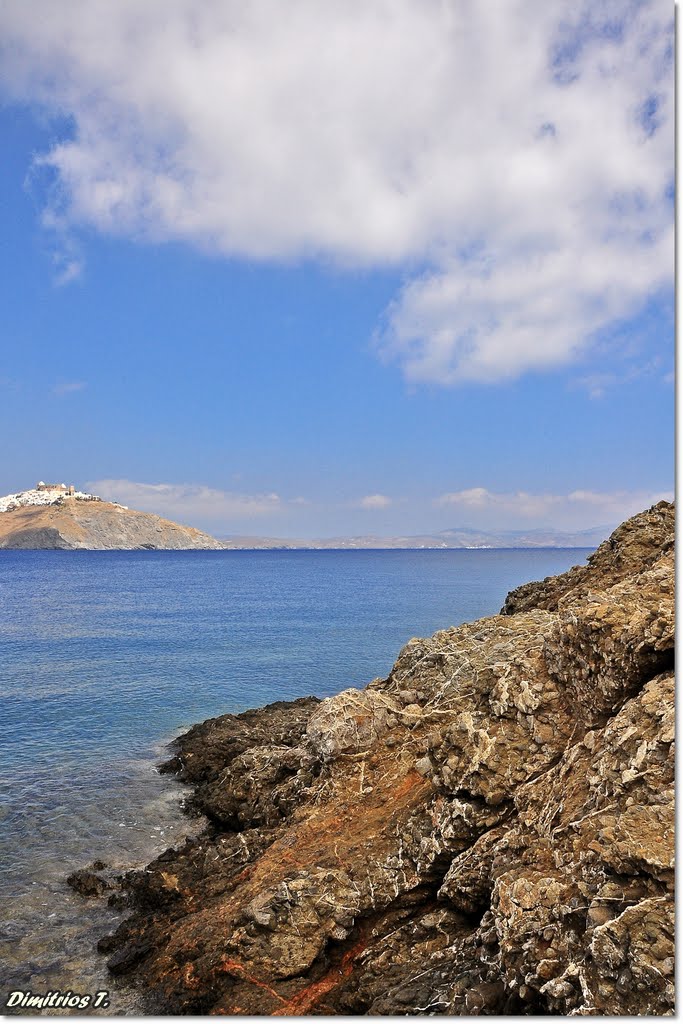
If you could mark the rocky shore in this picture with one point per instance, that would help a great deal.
(489, 830)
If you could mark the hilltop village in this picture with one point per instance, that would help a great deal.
(58, 517)
(45, 494)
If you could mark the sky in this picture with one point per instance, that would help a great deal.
(318, 268)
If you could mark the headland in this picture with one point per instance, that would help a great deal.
(488, 830)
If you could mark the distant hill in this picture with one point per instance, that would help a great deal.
(50, 517)
(460, 537)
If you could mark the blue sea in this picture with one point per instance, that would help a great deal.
(106, 656)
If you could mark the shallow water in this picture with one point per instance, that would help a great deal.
(107, 655)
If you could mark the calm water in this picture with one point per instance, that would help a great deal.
(107, 655)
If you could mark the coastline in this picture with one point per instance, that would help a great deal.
(125, 649)
(63, 955)
(387, 850)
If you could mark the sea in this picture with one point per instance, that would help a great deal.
(107, 656)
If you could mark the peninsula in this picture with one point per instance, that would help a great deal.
(488, 830)
(57, 516)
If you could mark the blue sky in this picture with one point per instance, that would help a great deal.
(340, 316)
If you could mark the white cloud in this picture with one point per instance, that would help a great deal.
(374, 501)
(576, 510)
(64, 249)
(598, 384)
(513, 159)
(68, 387)
(226, 512)
(67, 269)
(188, 503)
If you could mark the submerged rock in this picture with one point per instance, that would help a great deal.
(93, 881)
(489, 830)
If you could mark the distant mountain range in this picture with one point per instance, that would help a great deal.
(458, 537)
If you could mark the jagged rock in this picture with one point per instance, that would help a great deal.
(633, 547)
(260, 786)
(350, 723)
(93, 881)
(207, 748)
(487, 831)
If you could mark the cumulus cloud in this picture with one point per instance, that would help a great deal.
(514, 160)
(374, 501)
(577, 509)
(190, 503)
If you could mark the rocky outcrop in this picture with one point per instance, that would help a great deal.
(75, 522)
(489, 830)
(632, 548)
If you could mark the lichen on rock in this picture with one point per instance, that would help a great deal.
(489, 830)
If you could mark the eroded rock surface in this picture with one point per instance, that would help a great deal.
(633, 547)
(489, 830)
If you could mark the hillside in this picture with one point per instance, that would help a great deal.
(54, 519)
(488, 830)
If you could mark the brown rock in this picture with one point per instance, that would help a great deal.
(487, 831)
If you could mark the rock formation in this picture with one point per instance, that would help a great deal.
(58, 520)
(489, 830)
